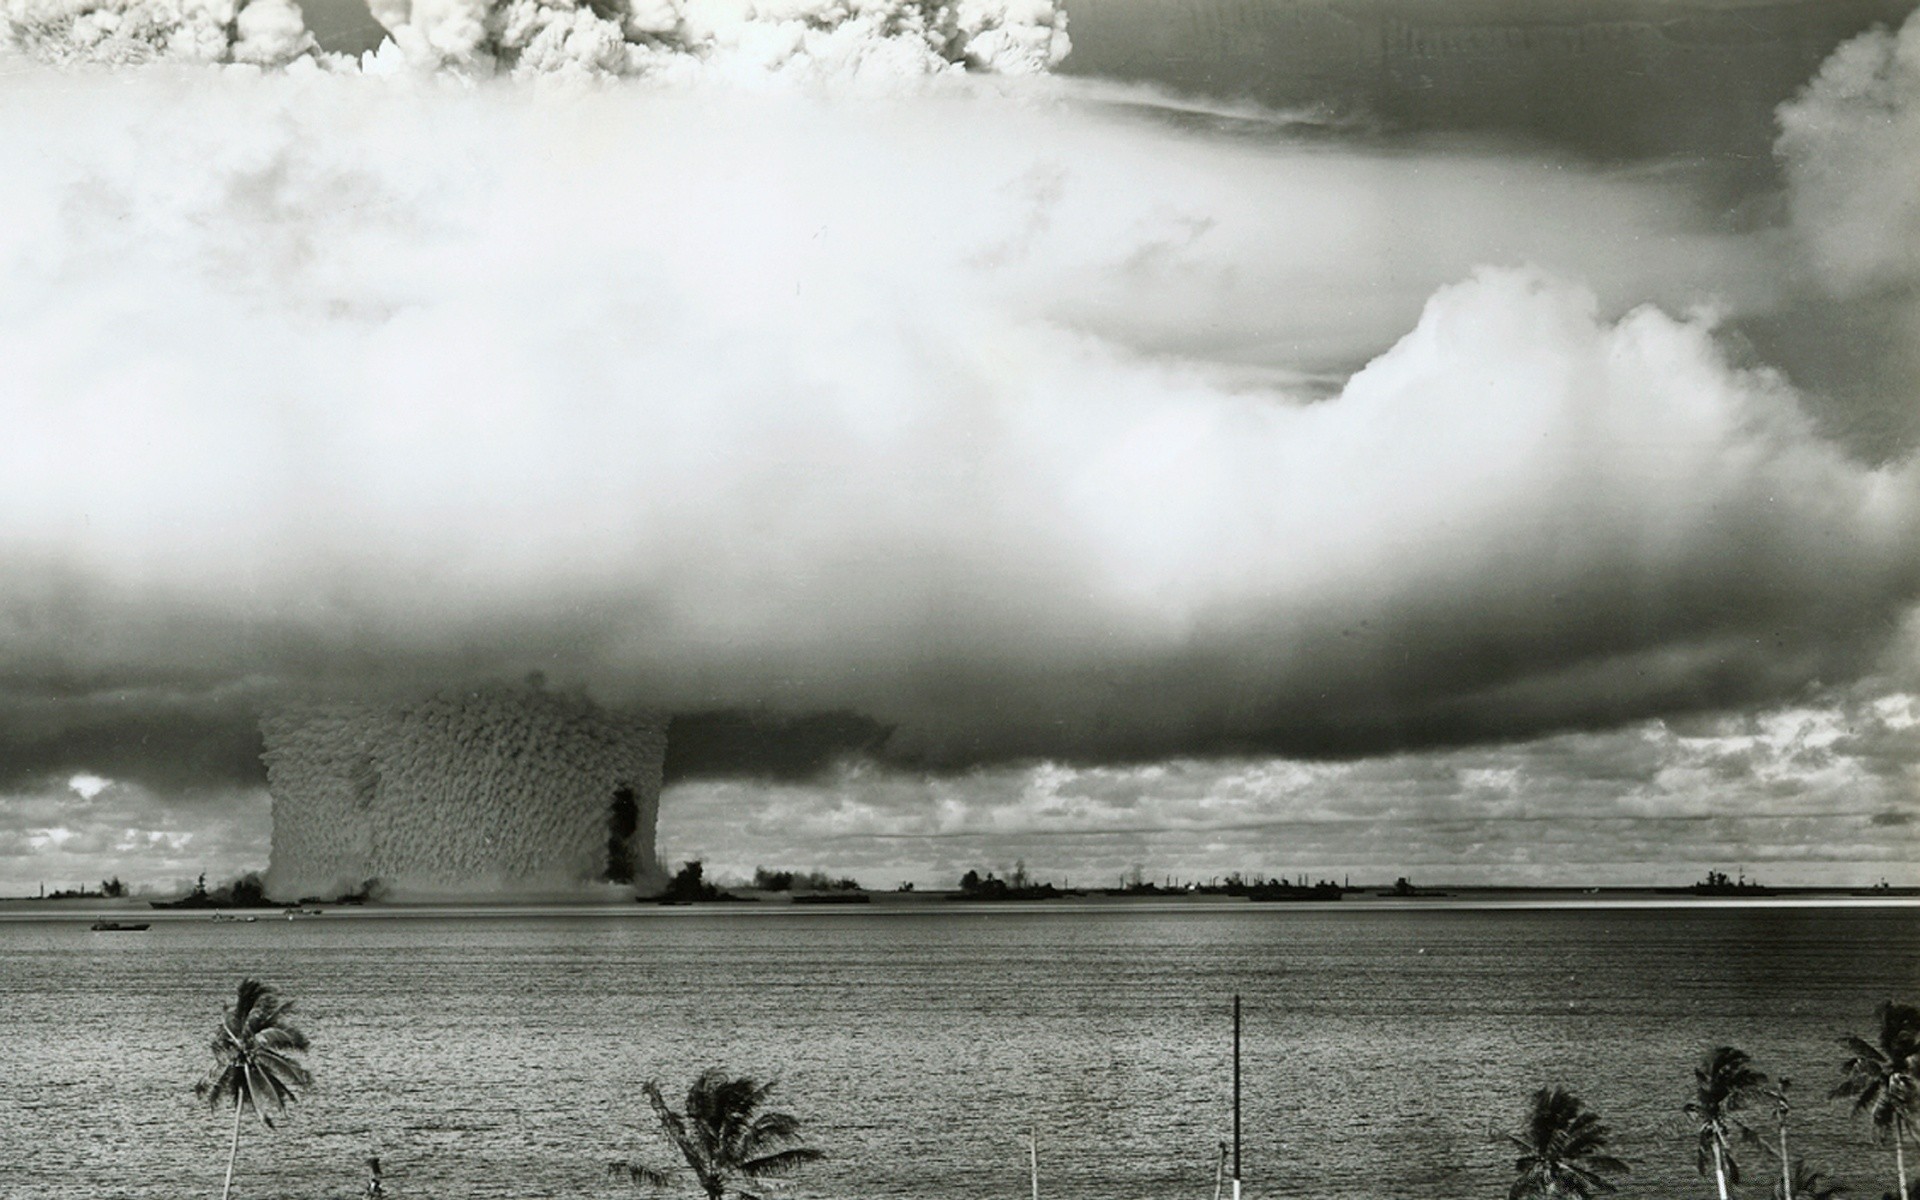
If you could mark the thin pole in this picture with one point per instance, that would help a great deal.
(1033, 1159)
(1236, 1096)
(1220, 1172)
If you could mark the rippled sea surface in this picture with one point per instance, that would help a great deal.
(503, 1056)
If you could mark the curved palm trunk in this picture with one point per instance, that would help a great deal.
(1720, 1170)
(234, 1150)
(1900, 1158)
(1786, 1166)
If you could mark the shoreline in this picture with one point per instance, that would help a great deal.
(1456, 899)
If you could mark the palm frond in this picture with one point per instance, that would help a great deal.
(780, 1162)
(671, 1122)
(769, 1131)
(217, 1085)
(1606, 1164)
(1899, 1027)
(1809, 1184)
(1585, 1182)
(639, 1174)
(245, 997)
(281, 1039)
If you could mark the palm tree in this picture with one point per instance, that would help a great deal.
(1724, 1082)
(724, 1136)
(1807, 1184)
(255, 1062)
(1884, 1079)
(1562, 1150)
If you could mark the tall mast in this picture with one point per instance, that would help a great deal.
(1236, 1096)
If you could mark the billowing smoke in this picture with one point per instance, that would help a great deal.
(1001, 423)
(818, 40)
(484, 791)
(125, 32)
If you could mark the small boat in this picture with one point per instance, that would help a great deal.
(117, 927)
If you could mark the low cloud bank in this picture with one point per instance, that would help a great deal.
(1819, 793)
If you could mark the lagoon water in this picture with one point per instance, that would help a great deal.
(502, 1056)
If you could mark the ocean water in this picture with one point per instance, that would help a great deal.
(503, 1056)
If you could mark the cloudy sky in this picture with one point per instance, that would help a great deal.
(1348, 438)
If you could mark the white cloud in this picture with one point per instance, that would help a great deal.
(708, 399)
(1851, 146)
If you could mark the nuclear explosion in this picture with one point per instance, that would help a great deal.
(491, 791)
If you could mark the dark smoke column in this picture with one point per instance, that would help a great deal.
(492, 791)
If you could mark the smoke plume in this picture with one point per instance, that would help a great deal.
(816, 40)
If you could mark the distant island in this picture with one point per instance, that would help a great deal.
(1017, 886)
(691, 885)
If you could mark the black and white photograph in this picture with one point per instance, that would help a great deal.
(960, 599)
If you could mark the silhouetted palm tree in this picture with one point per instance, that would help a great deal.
(1562, 1150)
(724, 1136)
(1807, 1184)
(255, 1061)
(1723, 1083)
(1884, 1080)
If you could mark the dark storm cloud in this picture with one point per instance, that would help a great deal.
(170, 738)
(765, 745)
